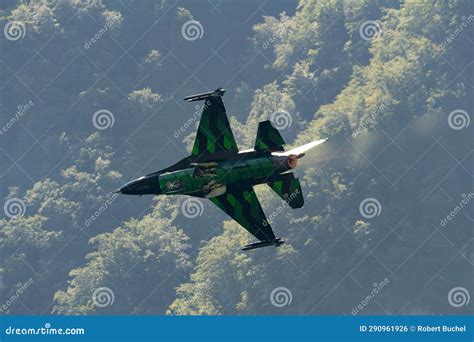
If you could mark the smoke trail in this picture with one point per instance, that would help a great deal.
(348, 151)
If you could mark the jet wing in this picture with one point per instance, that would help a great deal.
(214, 133)
(243, 206)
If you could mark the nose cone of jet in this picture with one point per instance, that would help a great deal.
(141, 186)
(131, 188)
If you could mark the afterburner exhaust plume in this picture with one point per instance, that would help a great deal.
(348, 151)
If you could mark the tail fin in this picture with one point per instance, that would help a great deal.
(289, 189)
(268, 138)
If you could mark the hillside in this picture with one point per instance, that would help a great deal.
(390, 85)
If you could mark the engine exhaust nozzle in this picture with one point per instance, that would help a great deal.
(292, 161)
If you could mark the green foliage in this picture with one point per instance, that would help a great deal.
(220, 275)
(139, 262)
(26, 247)
(145, 98)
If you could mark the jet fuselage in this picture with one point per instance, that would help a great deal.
(211, 178)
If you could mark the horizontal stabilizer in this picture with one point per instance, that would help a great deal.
(300, 150)
(203, 96)
(276, 243)
(289, 189)
(268, 138)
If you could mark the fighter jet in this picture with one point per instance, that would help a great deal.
(217, 170)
